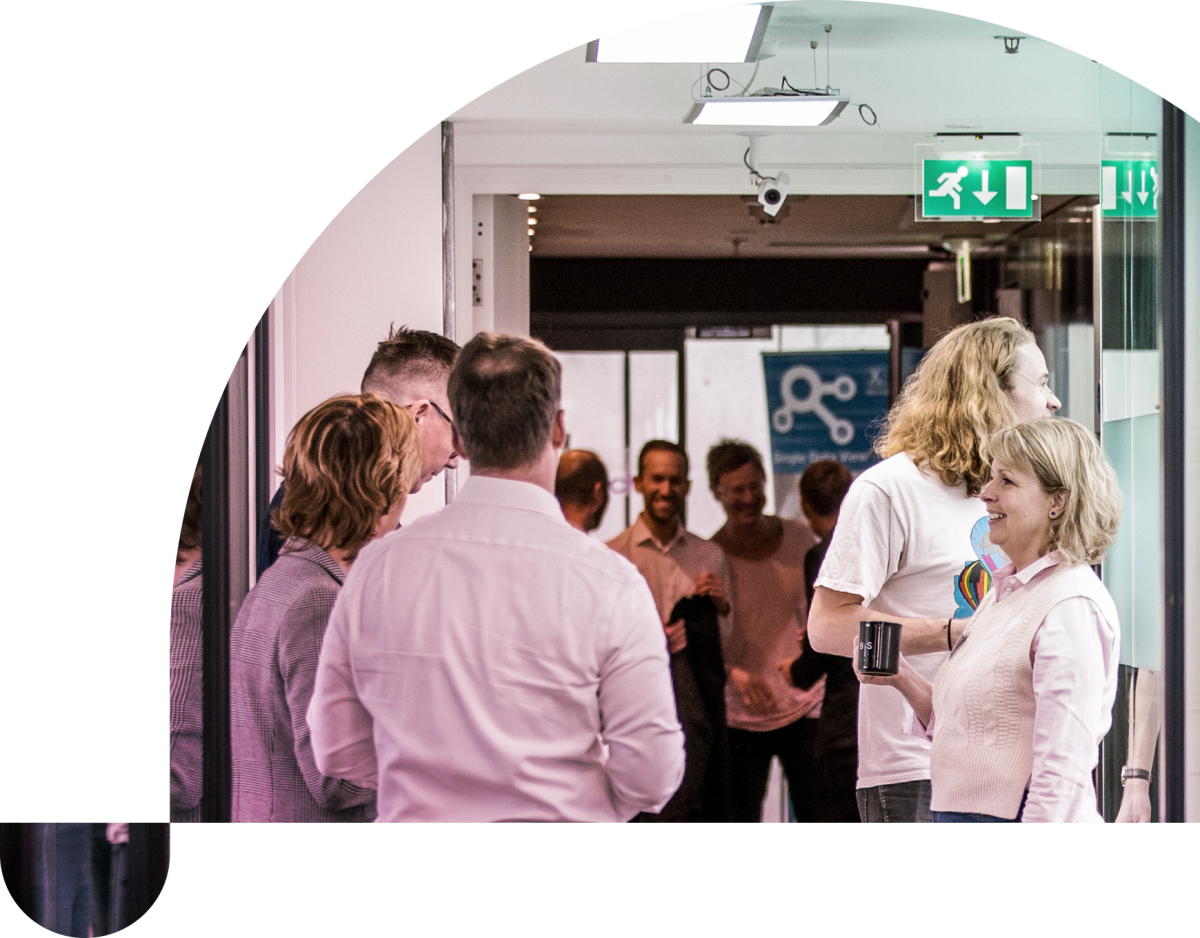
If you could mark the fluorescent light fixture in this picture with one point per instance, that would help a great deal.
(732, 34)
(808, 110)
(528, 196)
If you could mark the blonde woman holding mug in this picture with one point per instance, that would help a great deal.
(1017, 712)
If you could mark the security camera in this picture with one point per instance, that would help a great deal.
(772, 192)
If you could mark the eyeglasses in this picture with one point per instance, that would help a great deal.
(446, 418)
(434, 405)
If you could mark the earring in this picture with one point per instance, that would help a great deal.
(1054, 514)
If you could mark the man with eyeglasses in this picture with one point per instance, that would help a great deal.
(410, 368)
(679, 566)
(766, 716)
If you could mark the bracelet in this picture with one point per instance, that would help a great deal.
(1128, 773)
(949, 644)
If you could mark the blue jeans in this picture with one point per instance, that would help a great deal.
(903, 803)
(971, 817)
(73, 879)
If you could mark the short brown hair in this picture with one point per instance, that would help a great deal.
(1063, 456)
(505, 391)
(349, 461)
(956, 400)
(190, 534)
(730, 455)
(578, 472)
(824, 485)
(662, 446)
(408, 356)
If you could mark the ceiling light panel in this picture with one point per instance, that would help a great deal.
(731, 34)
(774, 111)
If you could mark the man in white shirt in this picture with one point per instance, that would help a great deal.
(489, 662)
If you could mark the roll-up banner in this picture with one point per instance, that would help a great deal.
(825, 405)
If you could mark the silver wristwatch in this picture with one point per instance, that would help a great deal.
(1128, 773)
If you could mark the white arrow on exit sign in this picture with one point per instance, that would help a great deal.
(983, 195)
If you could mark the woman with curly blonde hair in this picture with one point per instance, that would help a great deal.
(912, 537)
(1017, 713)
(349, 465)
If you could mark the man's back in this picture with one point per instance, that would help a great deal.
(493, 646)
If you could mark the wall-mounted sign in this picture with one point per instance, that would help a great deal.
(977, 189)
(1129, 188)
(825, 405)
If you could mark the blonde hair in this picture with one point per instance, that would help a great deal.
(1063, 456)
(956, 400)
(348, 462)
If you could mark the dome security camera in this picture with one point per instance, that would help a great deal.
(772, 192)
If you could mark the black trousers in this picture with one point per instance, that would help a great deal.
(795, 745)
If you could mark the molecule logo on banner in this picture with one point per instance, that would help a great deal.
(824, 405)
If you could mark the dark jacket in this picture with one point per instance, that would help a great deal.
(838, 727)
(699, 613)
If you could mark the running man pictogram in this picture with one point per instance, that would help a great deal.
(951, 185)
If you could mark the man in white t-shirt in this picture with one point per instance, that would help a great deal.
(912, 546)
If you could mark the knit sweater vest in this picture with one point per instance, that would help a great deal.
(982, 755)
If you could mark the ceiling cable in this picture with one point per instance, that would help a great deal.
(828, 41)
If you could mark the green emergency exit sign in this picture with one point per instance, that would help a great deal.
(1129, 188)
(977, 189)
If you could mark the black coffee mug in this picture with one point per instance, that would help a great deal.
(878, 647)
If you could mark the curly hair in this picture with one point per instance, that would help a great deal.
(956, 400)
(348, 462)
(1063, 456)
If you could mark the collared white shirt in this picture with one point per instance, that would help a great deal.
(1074, 655)
(489, 662)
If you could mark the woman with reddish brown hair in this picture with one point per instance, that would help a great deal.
(349, 465)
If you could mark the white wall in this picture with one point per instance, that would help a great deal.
(500, 272)
(379, 262)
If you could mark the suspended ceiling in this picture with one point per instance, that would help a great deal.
(568, 126)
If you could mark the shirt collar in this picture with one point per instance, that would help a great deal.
(509, 493)
(307, 550)
(1007, 580)
(641, 534)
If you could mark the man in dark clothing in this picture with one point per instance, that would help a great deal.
(822, 488)
(410, 368)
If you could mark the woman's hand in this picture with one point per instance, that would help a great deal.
(916, 690)
(889, 680)
(753, 691)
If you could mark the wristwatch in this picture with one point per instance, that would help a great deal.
(1128, 773)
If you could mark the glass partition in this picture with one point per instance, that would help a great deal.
(1127, 319)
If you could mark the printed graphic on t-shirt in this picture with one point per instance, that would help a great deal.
(973, 583)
